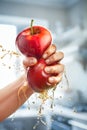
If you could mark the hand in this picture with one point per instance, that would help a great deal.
(51, 56)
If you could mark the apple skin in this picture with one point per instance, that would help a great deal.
(34, 44)
(37, 77)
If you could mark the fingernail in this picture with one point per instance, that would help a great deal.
(51, 80)
(33, 61)
(47, 69)
(45, 56)
(47, 61)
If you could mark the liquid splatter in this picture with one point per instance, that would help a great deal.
(43, 96)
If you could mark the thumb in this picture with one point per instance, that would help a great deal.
(29, 61)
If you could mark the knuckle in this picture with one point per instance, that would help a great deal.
(62, 67)
(62, 54)
(54, 46)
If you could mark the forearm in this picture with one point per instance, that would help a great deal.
(12, 97)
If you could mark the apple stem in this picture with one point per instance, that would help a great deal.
(32, 31)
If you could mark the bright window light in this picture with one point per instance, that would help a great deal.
(7, 42)
(7, 36)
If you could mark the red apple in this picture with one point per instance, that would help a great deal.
(37, 77)
(34, 42)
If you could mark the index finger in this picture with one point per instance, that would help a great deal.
(56, 57)
(49, 51)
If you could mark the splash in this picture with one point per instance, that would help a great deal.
(44, 96)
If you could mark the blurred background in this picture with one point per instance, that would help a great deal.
(67, 21)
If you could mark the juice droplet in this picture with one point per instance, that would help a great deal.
(8, 55)
(36, 125)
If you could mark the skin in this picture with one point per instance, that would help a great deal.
(16, 93)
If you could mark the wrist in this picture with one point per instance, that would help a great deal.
(25, 88)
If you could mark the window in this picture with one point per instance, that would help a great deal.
(7, 43)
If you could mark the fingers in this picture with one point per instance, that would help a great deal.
(49, 51)
(56, 57)
(29, 61)
(56, 72)
(55, 69)
(54, 80)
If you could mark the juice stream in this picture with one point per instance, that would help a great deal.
(43, 96)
